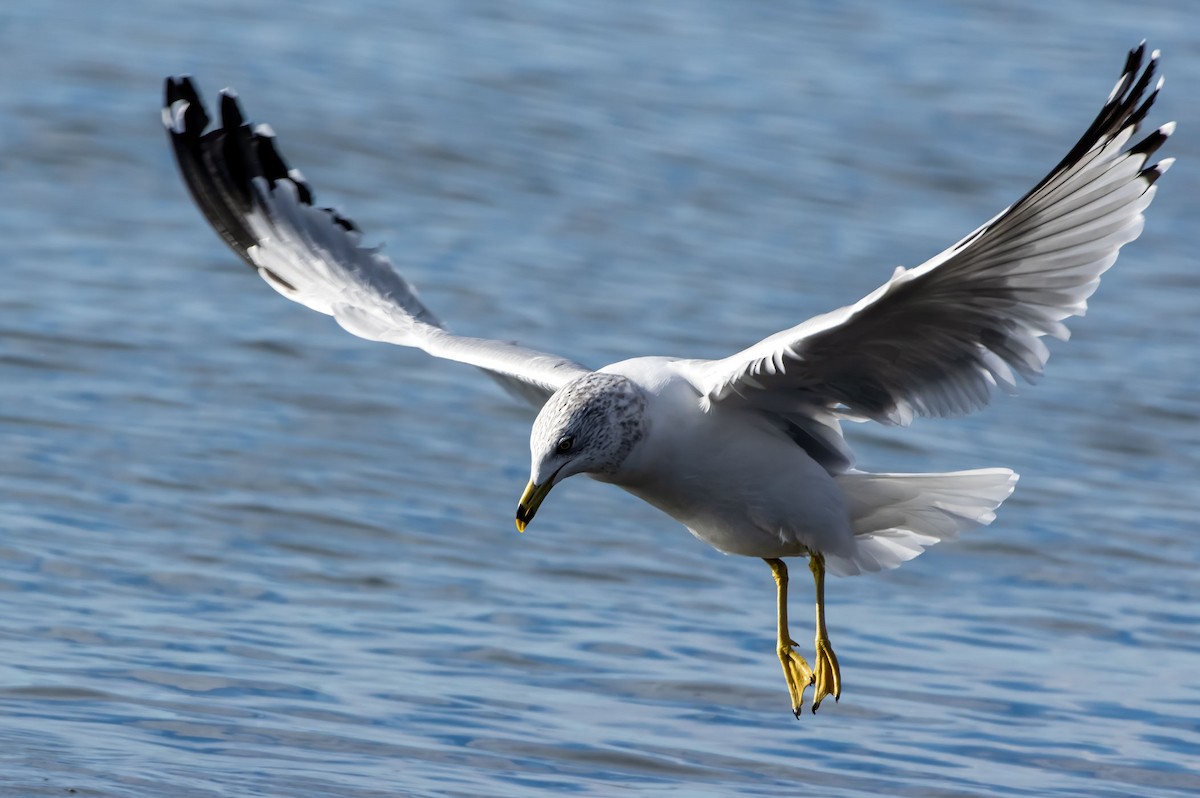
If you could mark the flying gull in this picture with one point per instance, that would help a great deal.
(746, 452)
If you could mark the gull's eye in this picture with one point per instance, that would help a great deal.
(565, 444)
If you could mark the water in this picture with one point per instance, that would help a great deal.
(244, 553)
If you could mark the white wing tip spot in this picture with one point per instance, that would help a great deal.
(173, 117)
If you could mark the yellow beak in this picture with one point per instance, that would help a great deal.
(531, 500)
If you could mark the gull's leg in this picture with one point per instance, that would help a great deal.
(828, 676)
(795, 669)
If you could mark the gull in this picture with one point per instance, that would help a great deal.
(747, 452)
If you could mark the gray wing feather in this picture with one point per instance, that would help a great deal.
(265, 212)
(935, 340)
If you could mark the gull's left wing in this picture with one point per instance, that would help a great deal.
(935, 340)
(264, 211)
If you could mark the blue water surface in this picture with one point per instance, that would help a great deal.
(244, 553)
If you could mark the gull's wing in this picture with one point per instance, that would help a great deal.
(312, 255)
(935, 339)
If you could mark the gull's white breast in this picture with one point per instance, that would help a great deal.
(729, 475)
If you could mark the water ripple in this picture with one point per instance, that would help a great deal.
(246, 554)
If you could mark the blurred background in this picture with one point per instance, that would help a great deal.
(243, 553)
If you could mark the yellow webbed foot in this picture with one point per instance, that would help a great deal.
(827, 676)
(797, 673)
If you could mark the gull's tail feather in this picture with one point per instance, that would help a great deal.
(895, 517)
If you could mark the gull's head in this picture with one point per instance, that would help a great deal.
(589, 426)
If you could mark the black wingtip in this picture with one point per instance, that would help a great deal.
(231, 111)
(183, 112)
(178, 87)
(273, 166)
(1149, 145)
(1153, 173)
(212, 162)
(1125, 109)
(341, 221)
(220, 166)
(1136, 54)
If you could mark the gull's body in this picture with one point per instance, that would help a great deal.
(747, 451)
(779, 503)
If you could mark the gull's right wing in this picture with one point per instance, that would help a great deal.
(935, 340)
(264, 211)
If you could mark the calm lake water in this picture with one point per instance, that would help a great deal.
(243, 553)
